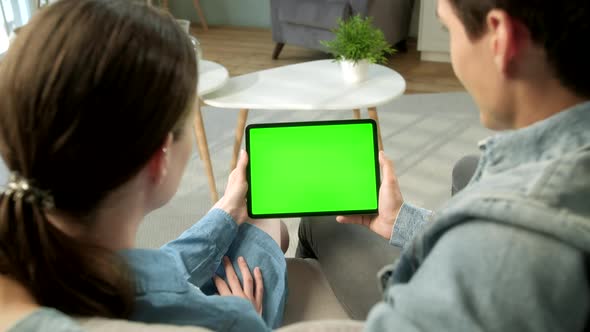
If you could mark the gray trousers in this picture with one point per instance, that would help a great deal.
(350, 255)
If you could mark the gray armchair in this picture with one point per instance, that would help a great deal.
(306, 22)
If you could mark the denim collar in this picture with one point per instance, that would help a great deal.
(154, 271)
(562, 133)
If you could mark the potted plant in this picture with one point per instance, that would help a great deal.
(356, 45)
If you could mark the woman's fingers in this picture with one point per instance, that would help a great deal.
(259, 290)
(234, 199)
(251, 288)
(221, 286)
(242, 166)
(232, 278)
(247, 281)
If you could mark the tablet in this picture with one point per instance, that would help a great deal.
(312, 168)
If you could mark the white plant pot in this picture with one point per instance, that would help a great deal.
(354, 72)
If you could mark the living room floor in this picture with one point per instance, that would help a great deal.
(244, 50)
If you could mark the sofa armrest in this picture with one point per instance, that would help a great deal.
(318, 14)
(96, 324)
(325, 326)
(277, 34)
(115, 325)
(360, 7)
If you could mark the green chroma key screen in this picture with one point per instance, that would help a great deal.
(312, 168)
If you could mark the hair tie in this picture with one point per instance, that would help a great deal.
(22, 189)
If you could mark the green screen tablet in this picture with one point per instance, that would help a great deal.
(312, 168)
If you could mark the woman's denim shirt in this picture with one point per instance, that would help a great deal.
(174, 283)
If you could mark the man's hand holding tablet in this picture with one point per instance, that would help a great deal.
(390, 203)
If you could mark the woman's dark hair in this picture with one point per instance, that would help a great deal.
(89, 91)
(559, 26)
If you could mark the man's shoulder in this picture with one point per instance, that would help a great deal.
(490, 276)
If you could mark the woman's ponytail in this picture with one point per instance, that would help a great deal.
(58, 270)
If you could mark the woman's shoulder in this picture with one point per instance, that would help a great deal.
(46, 319)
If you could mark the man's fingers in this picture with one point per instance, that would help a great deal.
(387, 168)
(259, 289)
(358, 219)
(221, 286)
(247, 280)
(232, 278)
(349, 219)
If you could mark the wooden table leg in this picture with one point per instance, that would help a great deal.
(201, 15)
(239, 136)
(356, 113)
(373, 115)
(204, 151)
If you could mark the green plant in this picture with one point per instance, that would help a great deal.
(357, 39)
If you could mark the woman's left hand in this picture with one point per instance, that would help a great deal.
(252, 288)
(234, 199)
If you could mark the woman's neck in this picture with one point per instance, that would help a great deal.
(16, 302)
(113, 225)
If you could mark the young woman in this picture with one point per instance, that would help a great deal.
(95, 111)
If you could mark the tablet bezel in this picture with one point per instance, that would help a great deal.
(314, 123)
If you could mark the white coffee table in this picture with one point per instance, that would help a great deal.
(212, 76)
(308, 86)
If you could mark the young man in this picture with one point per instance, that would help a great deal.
(510, 252)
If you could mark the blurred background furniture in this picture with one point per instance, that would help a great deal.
(433, 38)
(197, 4)
(308, 86)
(306, 22)
(212, 76)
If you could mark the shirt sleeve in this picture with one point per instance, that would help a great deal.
(410, 221)
(199, 249)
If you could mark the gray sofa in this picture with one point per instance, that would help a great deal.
(306, 22)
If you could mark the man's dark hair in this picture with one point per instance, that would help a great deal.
(559, 26)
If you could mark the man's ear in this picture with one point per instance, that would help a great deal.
(510, 37)
(159, 163)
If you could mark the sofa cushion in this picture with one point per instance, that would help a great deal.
(322, 14)
(310, 295)
(97, 324)
(325, 326)
(115, 325)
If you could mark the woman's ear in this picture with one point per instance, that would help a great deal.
(160, 161)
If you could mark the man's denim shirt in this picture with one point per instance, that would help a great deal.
(174, 286)
(510, 251)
